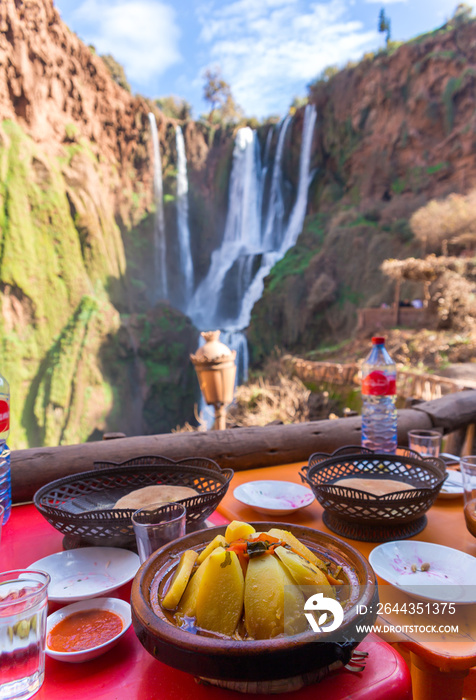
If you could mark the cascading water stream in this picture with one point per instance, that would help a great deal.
(273, 229)
(256, 234)
(186, 262)
(245, 250)
(254, 239)
(242, 232)
(160, 267)
(298, 213)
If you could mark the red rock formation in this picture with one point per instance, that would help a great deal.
(403, 122)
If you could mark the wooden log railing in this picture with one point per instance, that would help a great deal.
(239, 448)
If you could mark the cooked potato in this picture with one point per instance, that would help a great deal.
(273, 603)
(219, 601)
(218, 541)
(188, 602)
(237, 530)
(248, 584)
(179, 580)
(302, 571)
(293, 542)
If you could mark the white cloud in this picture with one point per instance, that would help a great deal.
(141, 34)
(278, 46)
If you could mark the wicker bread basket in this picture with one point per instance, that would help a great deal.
(360, 515)
(81, 506)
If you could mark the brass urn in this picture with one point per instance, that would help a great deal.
(215, 366)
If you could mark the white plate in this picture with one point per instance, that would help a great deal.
(78, 574)
(451, 577)
(453, 486)
(120, 607)
(274, 497)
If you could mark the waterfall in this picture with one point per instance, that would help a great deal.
(273, 229)
(185, 255)
(256, 235)
(241, 237)
(234, 283)
(160, 268)
(298, 213)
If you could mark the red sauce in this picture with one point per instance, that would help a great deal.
(84, 630)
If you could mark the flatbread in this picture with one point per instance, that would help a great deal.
(159, 493)
(376, 487)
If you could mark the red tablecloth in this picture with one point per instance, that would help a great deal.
(128, 671)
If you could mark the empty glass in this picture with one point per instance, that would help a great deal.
(156, 525)
(23, 611)
(468, 471)
(425, 442)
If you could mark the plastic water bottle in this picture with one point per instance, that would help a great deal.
(379, 393)
(5, 477)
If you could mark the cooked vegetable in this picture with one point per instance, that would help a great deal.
(249, 584)
(303, 572)
(237, 530)
(219, 602)
(298, 546)
(271, 600)
(188, 602)
(218, 541)
(179, 580)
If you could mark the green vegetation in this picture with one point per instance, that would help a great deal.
(117, 71)
(452, 88)
(294, 262)
(174, 107)
(438, 167)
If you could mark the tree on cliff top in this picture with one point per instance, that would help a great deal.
(463, 13)
(384, 24)
(217, 92)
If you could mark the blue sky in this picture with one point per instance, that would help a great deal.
(268, 50)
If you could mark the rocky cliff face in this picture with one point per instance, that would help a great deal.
(76, 220)
(393, 132)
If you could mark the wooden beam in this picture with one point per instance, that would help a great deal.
(238, 448)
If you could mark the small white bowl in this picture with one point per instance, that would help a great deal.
(115, 605)
(87, 572)
(449, 578)
(274, 497)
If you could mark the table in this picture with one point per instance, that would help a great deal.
(128, 671)
(439, 666)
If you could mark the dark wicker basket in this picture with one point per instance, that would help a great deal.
(81, 506)
(362, 516)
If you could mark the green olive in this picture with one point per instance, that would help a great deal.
(10, 633)
(33, 622)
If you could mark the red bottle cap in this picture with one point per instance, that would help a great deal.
(378, 340)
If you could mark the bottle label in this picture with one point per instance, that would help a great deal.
(378, 384)
(4, 416)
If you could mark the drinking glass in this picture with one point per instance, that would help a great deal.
(156, 525)
(468, 471)
(425, 442)
(23, 612)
